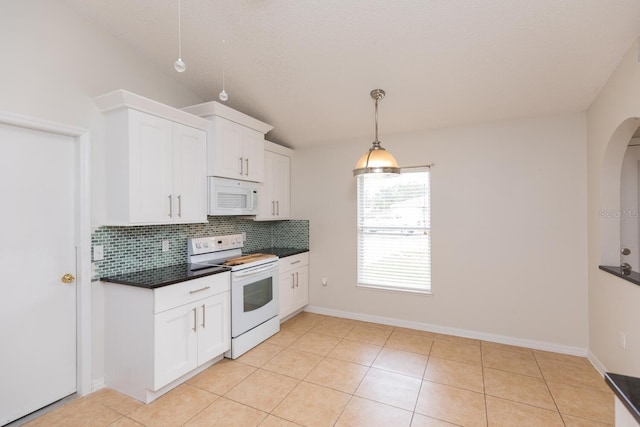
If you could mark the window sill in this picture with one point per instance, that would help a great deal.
(392, 289)
(628, 275)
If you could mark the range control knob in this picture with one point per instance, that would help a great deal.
(198, 245)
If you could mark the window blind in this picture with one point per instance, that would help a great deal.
(394, 234)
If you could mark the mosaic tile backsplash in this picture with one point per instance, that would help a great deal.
(128, 249)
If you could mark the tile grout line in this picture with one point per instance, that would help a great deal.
(484, 388)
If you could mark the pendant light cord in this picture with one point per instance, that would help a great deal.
(179, 29)
(224, 57)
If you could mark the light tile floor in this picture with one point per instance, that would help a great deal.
(327, 371)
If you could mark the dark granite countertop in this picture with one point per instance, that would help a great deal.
(280, 252)
(628, 275)
(627, 389)
(163, 276)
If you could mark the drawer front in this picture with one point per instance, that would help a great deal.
(294, 261)
(182, 293)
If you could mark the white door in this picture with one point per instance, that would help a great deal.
(214, 330)
(226, 159)
(189, 173)
(301, 294)
(176, 344)
(150, 169)
(287, 286)
(37, 248)
(281, 188)
(253, 153)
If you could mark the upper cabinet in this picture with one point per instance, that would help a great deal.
(235, 151)
(274, 198)
(236, 142)
(155, 162)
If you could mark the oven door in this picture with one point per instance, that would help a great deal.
(254, 297)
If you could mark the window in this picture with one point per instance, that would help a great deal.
(394, 235)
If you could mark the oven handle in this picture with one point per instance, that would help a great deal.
(256, 270)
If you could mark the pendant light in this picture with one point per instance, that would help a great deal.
(179, 65)
(377, 159)
(224, 96)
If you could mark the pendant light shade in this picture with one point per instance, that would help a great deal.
(377, 159)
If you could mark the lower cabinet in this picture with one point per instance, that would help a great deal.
(156, 338)
(294, 283)
(189, 335)
(623, 417)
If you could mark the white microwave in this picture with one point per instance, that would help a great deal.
(232, 197)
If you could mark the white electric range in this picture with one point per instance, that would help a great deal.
(254, 288)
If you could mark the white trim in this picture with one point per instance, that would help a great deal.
(97, 384)
(83, 235)
(502, 339)
(278, 149)
(597, 363)
(119, 99)
(214, 108)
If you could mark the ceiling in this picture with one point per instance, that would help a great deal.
(307, 67)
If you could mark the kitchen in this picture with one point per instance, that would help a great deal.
(547, 291)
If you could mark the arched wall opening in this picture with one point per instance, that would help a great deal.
(612, 211)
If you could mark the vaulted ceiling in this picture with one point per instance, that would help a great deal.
(307, 67)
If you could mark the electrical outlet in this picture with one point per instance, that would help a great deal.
(244, 236)
(165, 246)
(98, 253)
(623, 340)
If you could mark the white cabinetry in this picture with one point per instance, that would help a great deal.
(155, 339)
(294, 283)
(155, 166)
(236, 145)
(275, 194)
(623, 417)
(236, 152)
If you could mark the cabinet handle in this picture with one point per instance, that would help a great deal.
(203, 320)
(278, 206)
(295, 262)
(241, 166)
(179, 205)
(199, 290)
(297, 280)
(170, 206)
(195, 320)
(247, 161)
(293, 281)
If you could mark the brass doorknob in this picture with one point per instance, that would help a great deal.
(67, 278)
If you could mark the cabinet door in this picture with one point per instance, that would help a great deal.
(150, 145)
(176, 344)
(281, 184)
(286, 289)
(266, 208)
(253, 155)
(301, 293)
(189, 174)
(225, 155)
(214, 328)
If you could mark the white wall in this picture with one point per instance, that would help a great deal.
(613, 302)
(53, 62)
(508, 222)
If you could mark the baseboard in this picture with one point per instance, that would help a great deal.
(597, 363)
(501, 339)
(97, 384)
